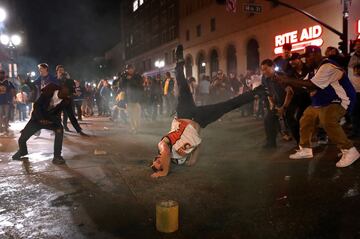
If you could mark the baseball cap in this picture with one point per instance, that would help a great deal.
(311, 49)
(295, 56)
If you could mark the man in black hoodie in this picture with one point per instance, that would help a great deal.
(47, 115)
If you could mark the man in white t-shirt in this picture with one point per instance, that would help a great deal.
(182, 143)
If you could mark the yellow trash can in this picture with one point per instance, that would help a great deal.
(167, 216)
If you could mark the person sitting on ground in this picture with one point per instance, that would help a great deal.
(182, 144)
(47, 115)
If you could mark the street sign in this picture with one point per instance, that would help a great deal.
(252, 8)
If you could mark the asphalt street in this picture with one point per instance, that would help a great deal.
(236, 190)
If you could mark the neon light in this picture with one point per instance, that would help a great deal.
(308, 36)
(301, 45)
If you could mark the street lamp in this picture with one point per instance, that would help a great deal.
(16, 40)
(10, 42)
(159, 64)
(2, 14)
(4, 39)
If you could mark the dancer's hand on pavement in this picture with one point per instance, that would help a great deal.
(158, 174)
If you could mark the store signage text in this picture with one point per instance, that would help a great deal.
(299, 39)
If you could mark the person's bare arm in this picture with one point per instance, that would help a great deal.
(193, 157)
(164, 156)
(287, 101)
(271, 102)
(298, 83)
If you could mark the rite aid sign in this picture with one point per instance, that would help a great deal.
(299, 39)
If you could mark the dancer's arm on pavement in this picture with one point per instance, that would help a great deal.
(164, 157)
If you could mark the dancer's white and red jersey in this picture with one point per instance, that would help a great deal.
(184, 138)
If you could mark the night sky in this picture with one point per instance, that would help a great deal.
(69, 32)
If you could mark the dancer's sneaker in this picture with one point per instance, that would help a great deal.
(302, 153)
(58, 160)
(18, 156)
(349, 156)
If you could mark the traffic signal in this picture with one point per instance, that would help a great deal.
(342, 46)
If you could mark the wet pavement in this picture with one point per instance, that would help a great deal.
(237, 190)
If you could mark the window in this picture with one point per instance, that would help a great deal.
(213, 24)
(173, 56)
(172, 33)
(163, 37)
(135, 5)
(167, 60)
(171, 12)
(198, 30)
(187, 35)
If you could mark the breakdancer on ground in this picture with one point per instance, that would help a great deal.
(182, 143)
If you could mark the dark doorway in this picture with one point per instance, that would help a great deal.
(188, 66)
(201, 65)
(252, 55)
(231, 60)
(214, 62)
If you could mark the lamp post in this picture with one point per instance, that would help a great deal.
(159, 64)
(11, 43)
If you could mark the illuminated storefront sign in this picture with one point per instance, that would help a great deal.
(299, 40)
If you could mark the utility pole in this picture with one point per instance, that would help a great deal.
(345, 35)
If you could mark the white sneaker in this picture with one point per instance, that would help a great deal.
(349, 156)
(302, 153)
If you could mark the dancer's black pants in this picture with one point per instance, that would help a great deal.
(32, 127)
(203, 115)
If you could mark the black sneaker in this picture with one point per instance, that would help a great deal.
(179, 53)
(58, 160)
(18, 156)
(66, 129)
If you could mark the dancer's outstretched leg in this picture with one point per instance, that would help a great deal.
(186, 104)
(207, 114)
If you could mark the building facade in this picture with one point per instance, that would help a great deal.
(150, 33)
(236, 42)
